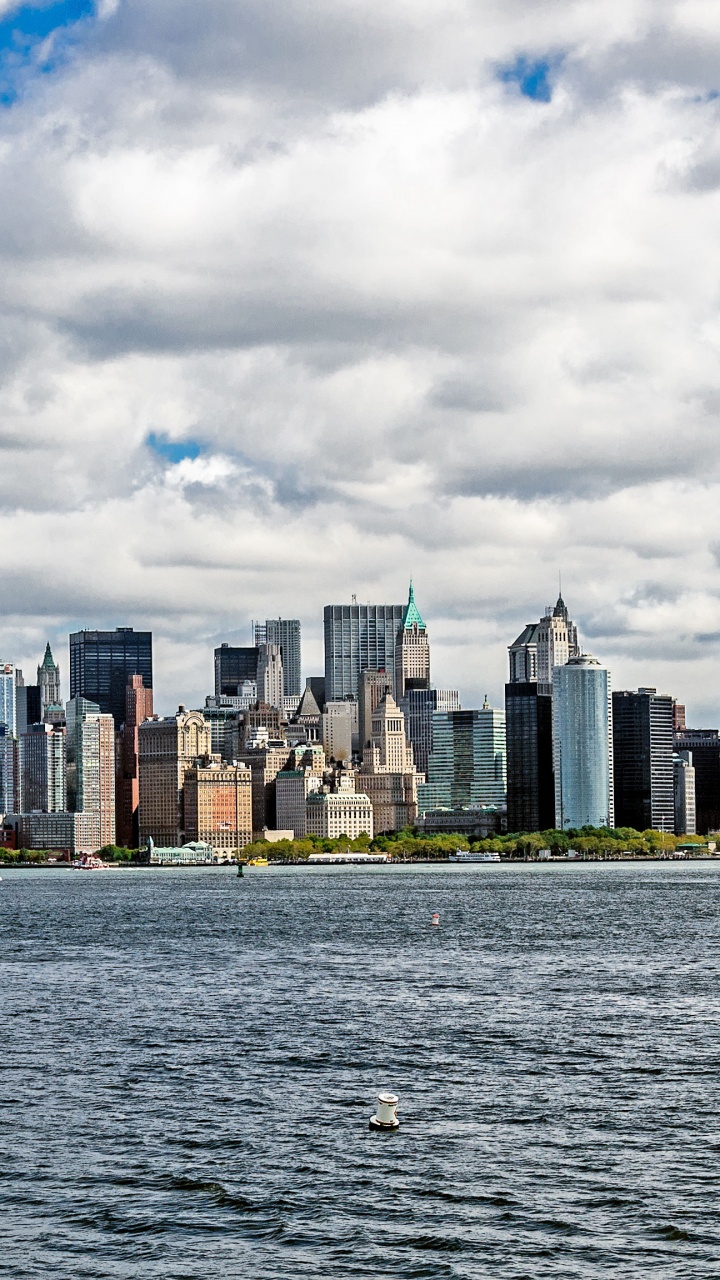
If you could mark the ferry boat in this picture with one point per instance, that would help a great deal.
(90, 863)
(464, 855)
(258, 862)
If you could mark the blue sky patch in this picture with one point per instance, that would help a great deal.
(532, 76)
(23, 29)
(173, 450)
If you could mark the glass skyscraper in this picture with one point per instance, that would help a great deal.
(284, 632)
(643, 760)
(467, 763)
(358, 637)
(102, 661)
(582, 744)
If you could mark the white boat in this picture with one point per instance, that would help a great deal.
(464, 855)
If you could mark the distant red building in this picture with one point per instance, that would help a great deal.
(138, 707)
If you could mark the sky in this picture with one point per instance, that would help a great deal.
(302, 298)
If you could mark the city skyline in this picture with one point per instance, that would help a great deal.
(178, 682)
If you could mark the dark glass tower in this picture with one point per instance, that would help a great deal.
(233, 665)
(705, 747)
(530, 778)
(643, 756)
(102, 661)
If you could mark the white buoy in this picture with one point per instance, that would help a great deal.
(435, 917)
(385, 1117)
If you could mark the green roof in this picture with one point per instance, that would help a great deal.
(412, 613)
(48, 659)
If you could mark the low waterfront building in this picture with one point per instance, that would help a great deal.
(194, 853)
(479, 821)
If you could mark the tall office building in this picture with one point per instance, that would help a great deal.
(557, 642)
(412, 651)
(8, 770)
(530, 780)
(235, 665)
(704, 745)
(523, 655)
(270, 675)
(100, 663)
(48, 678)
(358, 637)
(167, 749)
(583, 744)
(643, 760)
(467, 764)
(373, 687)
(8, 697)
(284, 632)
(91, 764)
(684, 778)
(388, 774)
(28, 708)
(339, 727)
(138, 707)
(419, 706)
(42, 769)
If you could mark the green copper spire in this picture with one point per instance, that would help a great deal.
(47, 661)
(412, 613)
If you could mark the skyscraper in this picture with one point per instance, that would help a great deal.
(557, 642)
(138, 707)
(91, 764)
(467, 763)
(234, 666)
(358, 637)
(101, 661)
(412, 651)
(704, 744)
(419, 706)
(270, 675)
(284, 632)
(8, 697)
(684, 777)
(582, 744)
(530, 782)
(371, 691)
(388, 775)
(643, 760)
(48, 678)
(42, 766)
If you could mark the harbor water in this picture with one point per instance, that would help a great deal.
(190, 1061)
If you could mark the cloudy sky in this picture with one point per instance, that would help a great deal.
(302, 297)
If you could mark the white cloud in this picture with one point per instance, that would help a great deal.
(417, 323)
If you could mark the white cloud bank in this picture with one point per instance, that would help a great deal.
(418, 322)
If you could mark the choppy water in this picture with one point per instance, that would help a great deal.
(189, 1063)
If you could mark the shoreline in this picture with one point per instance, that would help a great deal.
(400, 862)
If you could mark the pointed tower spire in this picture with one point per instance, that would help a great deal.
(412, 613)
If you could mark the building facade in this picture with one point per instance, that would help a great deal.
(530, 777)
(102, 661)
(218, 805)
(264, 759)
(388, 775)
(358, 637)
(557, 642)
(684, 780)
(704, 746)
(91, 764)
(418, 707)
(373, 687)
(235, 665)
(583, 744)
(167, 750)
(332, 814)
(138, 707)
(285, 632)
(467, 765)
(412, 651)
(643, 760)
(42, 769)
(270, 678)
(8, 697)
(339, 729)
